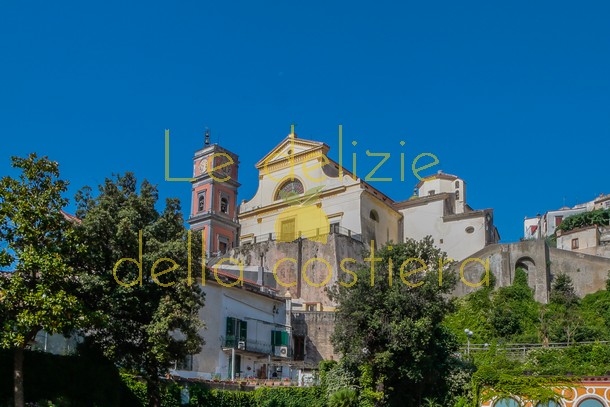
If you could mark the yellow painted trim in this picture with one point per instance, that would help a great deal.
(282, 205)
(286, 162)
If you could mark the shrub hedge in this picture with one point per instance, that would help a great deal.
(89, 380)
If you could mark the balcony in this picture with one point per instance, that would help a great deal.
(259, 347)
(313, 233)
(207, 214)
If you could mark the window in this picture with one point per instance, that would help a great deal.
(506, 402)
(574, 244)
(590, 403)
(374, 215)
(548, 404)
(185, 364)
(431, 192)
(201, 202)
(558, 220)
(457, 184)
(223, 244)
(237, 331)
(457, 195)
(291, 186)
(224, 205)
(288, 230)
(279, 338)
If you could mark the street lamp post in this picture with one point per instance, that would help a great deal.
(468, 333)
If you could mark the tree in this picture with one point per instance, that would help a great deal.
(563, 292)
(391, 333)
(599, 217)
(40, 293)
(147, 320)
(473, 312)
(515, 313)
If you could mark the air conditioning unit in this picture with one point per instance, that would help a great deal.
(241, 345)
(283, 351)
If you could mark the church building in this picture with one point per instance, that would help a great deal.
(302, 168)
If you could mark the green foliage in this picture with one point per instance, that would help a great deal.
(582, 360)
(289, 397)
(600, 217)
(344, 398)
(334, 377)
(145, 326)
(563, 292)
(37, 242)
(74, 381)
(532, 374)
(394, 330)
(499, 375)
(369, 395)
(508, 313)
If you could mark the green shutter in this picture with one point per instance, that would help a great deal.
(243, 330)
(275, 338)
(279, 338)
(230, 326)
(230, 337)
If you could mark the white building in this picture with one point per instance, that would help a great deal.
(347, 203)
(440, 210)
(542, 226)
(247, 333)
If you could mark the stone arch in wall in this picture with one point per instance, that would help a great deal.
(529, 265)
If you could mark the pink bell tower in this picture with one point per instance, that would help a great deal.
(214, 197)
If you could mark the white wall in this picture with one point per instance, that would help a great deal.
(255, 309)
(587, 238)
(428, 219)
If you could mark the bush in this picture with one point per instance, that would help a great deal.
(344, 398)
(85, 380)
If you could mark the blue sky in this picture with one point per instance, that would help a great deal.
(514, 97)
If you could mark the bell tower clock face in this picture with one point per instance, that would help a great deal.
(203, 166)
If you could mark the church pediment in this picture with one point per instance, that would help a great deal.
(290, 146)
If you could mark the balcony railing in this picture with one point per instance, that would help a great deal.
(204, 214)
(311, 234)
(247, 345)
(255, 346)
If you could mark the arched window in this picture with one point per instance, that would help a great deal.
(457, 195)
(374, 215)
(506, 402)
(291, 186)
(548, 404)
(457, 184)
(201, 203)
(224, 205)
(590, 403)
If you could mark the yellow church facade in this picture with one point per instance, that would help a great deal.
(303, 193)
